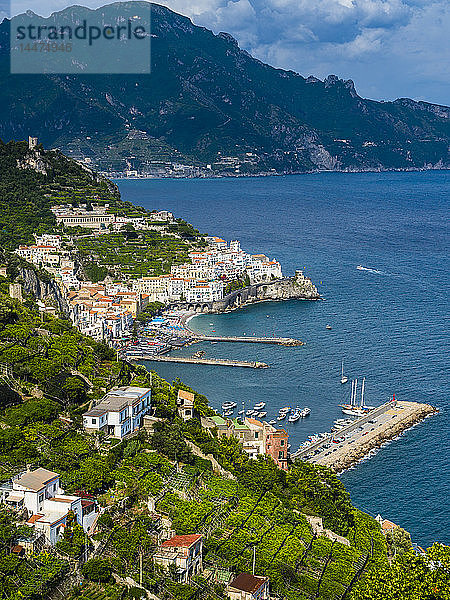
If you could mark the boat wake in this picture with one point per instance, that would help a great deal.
(370, 270)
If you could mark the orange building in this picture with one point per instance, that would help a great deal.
(277, 447)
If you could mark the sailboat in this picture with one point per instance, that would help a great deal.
(353, 409)
(344, 378)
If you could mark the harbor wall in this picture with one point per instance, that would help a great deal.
(404, 416)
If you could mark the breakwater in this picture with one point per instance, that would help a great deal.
(281, 341)
(219, 362)
(353, 443)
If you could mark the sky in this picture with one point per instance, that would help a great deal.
(390, 48)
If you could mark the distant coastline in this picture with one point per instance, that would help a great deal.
(277, 174)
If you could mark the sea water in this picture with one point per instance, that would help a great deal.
(389, 322)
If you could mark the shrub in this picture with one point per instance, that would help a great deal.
(97, 569)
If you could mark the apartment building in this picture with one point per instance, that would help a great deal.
(120, 412)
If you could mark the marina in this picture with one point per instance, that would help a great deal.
(352, 441)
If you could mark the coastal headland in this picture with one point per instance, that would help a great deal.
(366, 434)
(298, 287)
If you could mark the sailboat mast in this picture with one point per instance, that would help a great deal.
(362, 393)
(356, 387)
(342, 371)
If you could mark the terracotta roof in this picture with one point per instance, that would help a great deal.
(247, 582)
(254, 422)
(182, 541)
(388, 525)
(186, 395)
(34, 518)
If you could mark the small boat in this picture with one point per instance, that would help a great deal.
(344, 378)
(259, 406)
(294, 417)
(281, 416)
(228, 413)
(272, 422)
(249, 413)
(328, 327)
(213, 342)
(241, 412)
(305, 412)
(262, 414)
(229, 405)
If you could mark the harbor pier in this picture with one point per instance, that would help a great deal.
(202, 361)
(352, 443)
(281, 341)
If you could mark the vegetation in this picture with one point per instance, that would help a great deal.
(28, 191)
(132, 256)
(31, 577)
(51, 373)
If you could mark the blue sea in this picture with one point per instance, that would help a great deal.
(389, 323)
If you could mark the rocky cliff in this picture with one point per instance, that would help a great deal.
(47, 291)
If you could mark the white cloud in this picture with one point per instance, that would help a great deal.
(390, 48)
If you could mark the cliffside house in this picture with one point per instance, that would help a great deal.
(248, 587)
(277, 447)
(185, 404)
(385, 524)
(119, 412)
(40, 493)
(184, 552)
(257, 437)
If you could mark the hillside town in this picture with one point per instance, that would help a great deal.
(106, 311)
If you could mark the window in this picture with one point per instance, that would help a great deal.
(256, 435)
(94, 421)
(280, 454)
(282, 443)
(41, 497)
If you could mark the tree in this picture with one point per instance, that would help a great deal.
(398, 541)
(97, 569)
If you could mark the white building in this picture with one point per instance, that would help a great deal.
(120, 412)
(203, 291)
(48, 239)
(40, 493)
(97, 218)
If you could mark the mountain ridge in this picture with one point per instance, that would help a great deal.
(207, 101)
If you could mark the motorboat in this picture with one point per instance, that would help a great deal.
(328, 327)
(294, 417)
(228, 413)
(286, 409)
(281, 416)
(261, 415)
(259, 406)
(229, 405)
(249, 413)
(272, 422)
(305, 412)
